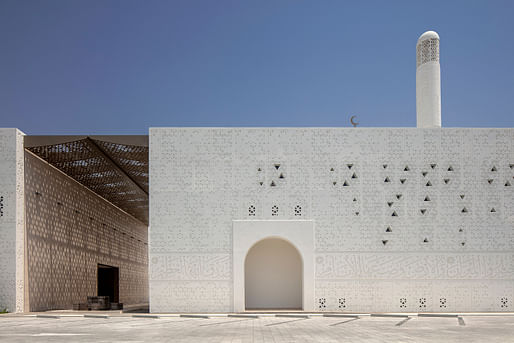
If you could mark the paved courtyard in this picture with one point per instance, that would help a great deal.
(265, 328)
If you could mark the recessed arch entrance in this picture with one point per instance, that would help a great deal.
(273, 276)
(295, 234)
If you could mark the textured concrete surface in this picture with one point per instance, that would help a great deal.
(266, 328)
(403, 217)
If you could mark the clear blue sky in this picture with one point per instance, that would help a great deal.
(119, 67)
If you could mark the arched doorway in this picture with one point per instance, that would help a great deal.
(273, 276)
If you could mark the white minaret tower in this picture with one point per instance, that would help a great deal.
(428, 81)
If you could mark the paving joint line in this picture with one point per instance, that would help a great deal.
(292, 316)
(400, 323)
(288, 321)
(341, 315)
(193, 316)
(159, 323)
(345, 321)
(96, 316)
(232, 321)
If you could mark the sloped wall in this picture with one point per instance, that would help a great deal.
(405, 219)
(71, 230)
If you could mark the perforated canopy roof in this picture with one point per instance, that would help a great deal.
(114, 167)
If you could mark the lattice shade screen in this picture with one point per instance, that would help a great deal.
(117, 172)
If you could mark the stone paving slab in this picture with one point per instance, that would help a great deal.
(476, 328)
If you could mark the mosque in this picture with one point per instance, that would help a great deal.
(256, 219)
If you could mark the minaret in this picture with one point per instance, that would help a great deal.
(428, 81)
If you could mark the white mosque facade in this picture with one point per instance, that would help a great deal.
(310, 219)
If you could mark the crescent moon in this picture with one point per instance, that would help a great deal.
(353, 123)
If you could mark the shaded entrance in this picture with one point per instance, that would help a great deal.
(108, 282)
(273, 276)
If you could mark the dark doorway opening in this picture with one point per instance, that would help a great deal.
(108, 282)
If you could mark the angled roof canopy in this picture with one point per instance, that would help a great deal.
(114, 167)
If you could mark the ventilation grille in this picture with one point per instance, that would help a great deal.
(427, 51)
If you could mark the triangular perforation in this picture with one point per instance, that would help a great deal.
(331, 169)
(402, 181)
(384, 166)
(398, 196)
(423, 210)
(493, 210)
(511, 166)
(462, 196)
(406, 168)
(464, 210)
(261, 183)
(425, 240)
(461, 230)
(493, 169)
(389, 203)
(490, 181)
(281, 176)
(334, 183)
(433, 165)
(424, 173)
(354, 176)
(349, 166)
(356, 213)
(394, 214)
(463, 243)
(429, 184)
(354, 199)
(450, 168)
(384, 241)
(427, 198)
(446, 181)
(259, 169)
(272, 184)
(507, 184)
(345, 184)
(277, 165)
(389, 229)
(387, 179)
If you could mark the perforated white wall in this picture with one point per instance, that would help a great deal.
(427, 51)
(69, 231)
(11, 220)
(405, 219)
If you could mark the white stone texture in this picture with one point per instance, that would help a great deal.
(428, 81)
(11, 220)
(202, 179)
